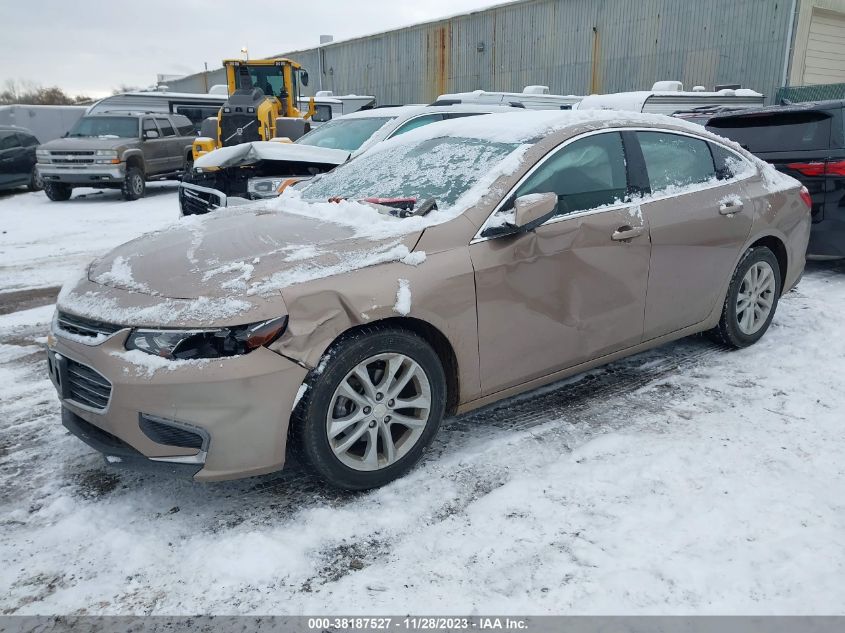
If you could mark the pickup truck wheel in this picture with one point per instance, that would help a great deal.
(57, 192)
(35, 181)
(134, 184)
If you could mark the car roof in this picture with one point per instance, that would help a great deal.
(15, 128)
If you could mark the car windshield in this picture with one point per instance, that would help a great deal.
(435, 168)
(346, 134)
(106, 127)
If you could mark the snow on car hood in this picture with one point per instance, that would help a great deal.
(250, 252)
(248, 153)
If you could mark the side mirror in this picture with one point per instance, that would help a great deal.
(150, 134)
(532, 210)
(304, 77)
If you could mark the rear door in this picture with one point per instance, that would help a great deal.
(699, 218)
(571, 290)
(173, 158)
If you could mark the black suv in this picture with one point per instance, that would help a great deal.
(17, 158)
(806, 141)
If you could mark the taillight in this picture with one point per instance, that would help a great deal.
(831, 168)
(836, 168)
(805, 196)
(808, 169)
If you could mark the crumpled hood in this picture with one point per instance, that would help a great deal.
(241, 253)
(251, 153)
(83, 143)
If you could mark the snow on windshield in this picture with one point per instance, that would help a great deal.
(440, 168)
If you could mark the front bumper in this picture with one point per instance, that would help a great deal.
(83, 174)
(198, 200)
(240, 405)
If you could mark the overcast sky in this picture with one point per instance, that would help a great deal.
(92, 46)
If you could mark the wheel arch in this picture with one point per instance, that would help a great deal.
(778, 247)
(135, 159)
(431, 335)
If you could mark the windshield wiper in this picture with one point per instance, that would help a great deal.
(404, 207)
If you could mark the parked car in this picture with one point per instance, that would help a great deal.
(118, 151)
(559, 241)
(806, 141)
(17, 158)
(263, 169)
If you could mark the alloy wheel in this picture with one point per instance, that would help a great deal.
(378, 411)
(755, 298)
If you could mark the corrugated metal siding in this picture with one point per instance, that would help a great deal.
(552, 42)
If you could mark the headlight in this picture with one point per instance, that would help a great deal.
(107, 153)
(264, 187)
(216, 343)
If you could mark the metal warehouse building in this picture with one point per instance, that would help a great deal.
(583, 47)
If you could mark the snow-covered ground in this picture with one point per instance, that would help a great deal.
(42, 243)
(688, 479)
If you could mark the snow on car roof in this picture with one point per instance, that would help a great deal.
(406, 111)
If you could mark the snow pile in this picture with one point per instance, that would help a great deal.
(403, 298)
(414, 259)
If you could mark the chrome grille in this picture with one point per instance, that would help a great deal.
(199, 201)
(86, 386)
(80, 326)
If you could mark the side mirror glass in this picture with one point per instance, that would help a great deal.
(304, 77)
(150, 134)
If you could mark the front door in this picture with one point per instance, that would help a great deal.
(573, 289)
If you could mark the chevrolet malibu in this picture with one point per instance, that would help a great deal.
(451, 267)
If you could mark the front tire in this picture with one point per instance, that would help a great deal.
(752, 299)
(134, 184)
(57, 192)
(35, 181)
(367, 418)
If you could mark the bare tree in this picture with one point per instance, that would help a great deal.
(26, 92)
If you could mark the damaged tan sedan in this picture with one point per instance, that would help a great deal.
(449, 268)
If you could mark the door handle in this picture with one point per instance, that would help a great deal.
(729, 207)
(627, 233)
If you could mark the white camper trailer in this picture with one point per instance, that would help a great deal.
(46, 122)
(668, 97)
(531, 98)
(196, 106)
(334, 106)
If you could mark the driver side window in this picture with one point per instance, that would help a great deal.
(586, 174)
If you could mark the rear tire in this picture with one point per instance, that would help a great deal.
(134, 185)
(57, 192)
(386, 439)
(751, 301)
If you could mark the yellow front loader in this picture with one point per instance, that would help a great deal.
(261, 93)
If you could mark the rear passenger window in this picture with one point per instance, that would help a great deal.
(27, 140)
(149, 126)
(183, 125)
(728, 164)
(585, 174)
(673, 160)
(166, 128)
